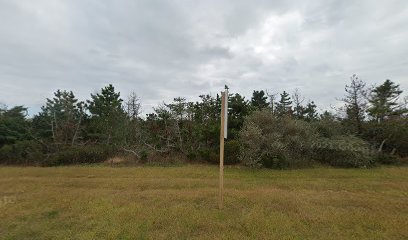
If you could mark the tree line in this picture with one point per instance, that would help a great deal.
(267, 130)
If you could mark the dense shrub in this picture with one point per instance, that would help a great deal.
(231, 152)
(166, 159)
(384, 158)
(251, 150)
(391, 135)
(79, 155)
(280, 142)
(143, 155)
(23, 152)
(274, 142)
(328, 128)
(209, 155)
(343, 151)
(274, 161)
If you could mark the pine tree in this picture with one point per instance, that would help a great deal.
(238, 109)
(133, 106)
(64, 115)
(284, 106)
(106, 103)
(310, 111)
(259, 100)
(298, 109)
(384, 101)
(13, 125)
(107, 115)
(178, 108)
(355, 103)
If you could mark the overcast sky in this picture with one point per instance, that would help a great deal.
(165, 49)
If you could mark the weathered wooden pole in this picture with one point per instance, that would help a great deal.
(223, 135)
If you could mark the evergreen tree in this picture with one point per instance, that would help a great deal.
(272, 103)
(134, 125)
(206, 119)
(259, 100)
(284, 106)
(327, 116)
(178, 108)
(310, 111)
(133, 106)
(63, 115)
(107, 115)
(13, 125)
(355, 103)
(238, 108)
(298, 109)
(178, 112)
(384, 101)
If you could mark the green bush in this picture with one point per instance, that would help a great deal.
(231, 152)
(328, 128)
(275, 142)
(23, 152)
(385, 158)
(209, 155)
(274, 161)
(80, 155)
(191, 155)
(391, 134)
(143, 156)
(281, 142)
(343, 151)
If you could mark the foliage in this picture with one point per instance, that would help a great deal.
(310, 111)
(355, 103)
(262, 132)
(275, 142)
(389, 136)
(79, 155)
(62, 116)
(259, 100)
(209, 155)
(238, 108)
(22, 152)
(298, 108)
(328, 127)
(143, 155)
(384, 101)
(13, 125)
(232, 149)
(284, 106)
(385, 158)
(107, 116)
(133, 106)
(343, 151)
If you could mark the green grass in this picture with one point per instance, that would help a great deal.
(97, 202)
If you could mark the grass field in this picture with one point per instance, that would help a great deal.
(96, 202)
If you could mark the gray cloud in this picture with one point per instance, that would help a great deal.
(165, 49)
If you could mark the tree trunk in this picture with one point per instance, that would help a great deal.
(382, 145)
(76, 131)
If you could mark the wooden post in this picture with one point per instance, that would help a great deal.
(221, 197)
